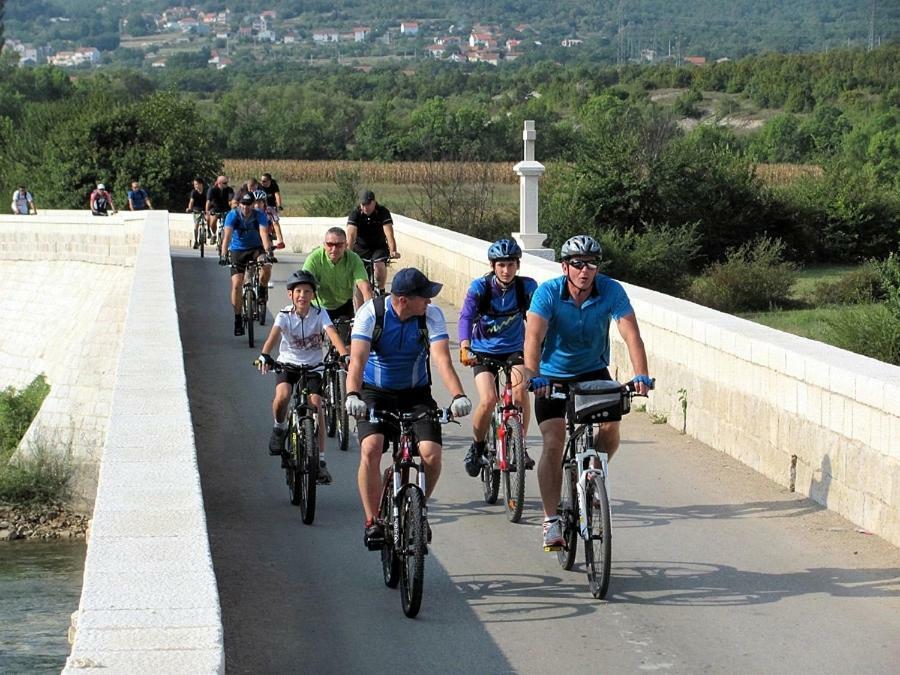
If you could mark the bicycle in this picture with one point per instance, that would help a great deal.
(253, 307)
(402, 510)
(220, 225)
(584, 504)
(505, 447)
(337, 420)
(370, 272)
(300, 457)
(201, 227)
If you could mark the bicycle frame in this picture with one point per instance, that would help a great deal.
(505, 408)
(370, 272)
(587, 468)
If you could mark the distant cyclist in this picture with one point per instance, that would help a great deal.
(101, 201)
(394, 339)
(492, 323)
(273, 205)
(23, 202)
(219, 200)
(246, 236)
(138, 198)
(298, 330)
(197, 204)
(370, 233)
(567, 340)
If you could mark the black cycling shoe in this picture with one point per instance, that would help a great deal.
(374, 536)
(238, 326)
(276, 441)
(323, 477)
(529, 463)
(473, 461)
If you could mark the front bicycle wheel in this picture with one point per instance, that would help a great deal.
(390, 561)
(331, 403)
(201, 238)
(249, 302)
(292, 470)
(514, 476)
(490, 473)
(343, 417)
(598, 544)
(309, 466)
(568, 515)
(412, 553)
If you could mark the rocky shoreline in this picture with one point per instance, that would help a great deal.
(41, 522)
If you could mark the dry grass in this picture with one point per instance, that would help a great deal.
(780, 174)
(395, 173)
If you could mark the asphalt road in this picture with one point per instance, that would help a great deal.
(715, 569)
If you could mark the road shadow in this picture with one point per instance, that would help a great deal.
(707, 584)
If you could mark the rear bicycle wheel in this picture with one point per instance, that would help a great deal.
(201, 238)
(412, 553)
(514, 476)
(249, 302)
(598, 544)
(390, 561)
(343, 417)
(568, 516)
(490, 474)
(331, 397)
(309, 466)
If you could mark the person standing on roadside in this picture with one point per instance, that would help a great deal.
(23, 202)
(138, 198)
(101, 201)
(370, 234)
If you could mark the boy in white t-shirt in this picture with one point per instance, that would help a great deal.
(298, 329)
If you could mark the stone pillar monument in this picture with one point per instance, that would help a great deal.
(530, 172)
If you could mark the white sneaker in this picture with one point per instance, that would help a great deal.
(553, 536)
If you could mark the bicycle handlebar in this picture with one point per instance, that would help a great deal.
(440, 415)
(279, 367)
(516, 360)
(561, 391)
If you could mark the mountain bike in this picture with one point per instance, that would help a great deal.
(202, 229)
(402, 511)
(505, 446)
(334, 385)
(300, 457)
(370, 271)
(584, 504)
(253, 307)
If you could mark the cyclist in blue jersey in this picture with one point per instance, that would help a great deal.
(389, 370)
(246, 235)
(492, 324)
(567, 340)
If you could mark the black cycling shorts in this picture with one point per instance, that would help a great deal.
(239, 259)
(493, 370)
(554, 408)
(292, 377)
(409, 400)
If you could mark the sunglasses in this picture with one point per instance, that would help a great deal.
(581, 264)
(335, 244)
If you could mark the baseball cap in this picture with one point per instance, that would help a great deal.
(410, 281)
(101, 186)
(366, 196)
(247, 198)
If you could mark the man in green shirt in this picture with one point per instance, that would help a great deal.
(338, 272)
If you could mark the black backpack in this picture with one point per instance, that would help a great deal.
(522, 299)
(378, 303)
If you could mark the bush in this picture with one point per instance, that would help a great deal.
(17, 409)
(338, 200)
(660, 258)
(862, 285)
(43, 475)
(874, 331)
(753, 277)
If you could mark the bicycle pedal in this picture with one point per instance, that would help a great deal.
(553, 549)
(375, 544)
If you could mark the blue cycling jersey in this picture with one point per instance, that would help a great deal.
(246, 230)
(400, 359)
(577, 339)
(502, 331)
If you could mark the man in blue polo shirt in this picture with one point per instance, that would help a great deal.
(138, 197)
(567, 340)
(390, 371)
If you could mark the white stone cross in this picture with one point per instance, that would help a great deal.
(530, 172)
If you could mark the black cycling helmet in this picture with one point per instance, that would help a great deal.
(580, 245)
(246, 198)
(504, 249)
(302, 277)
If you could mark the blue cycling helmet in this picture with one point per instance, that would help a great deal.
(504, 249)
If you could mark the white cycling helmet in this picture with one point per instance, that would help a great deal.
(580, 245)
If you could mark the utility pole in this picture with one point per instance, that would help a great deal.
(872, 25)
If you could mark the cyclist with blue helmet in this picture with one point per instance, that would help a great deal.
(567, 340)
(492, 323)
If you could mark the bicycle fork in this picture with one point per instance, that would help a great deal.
(581, 487)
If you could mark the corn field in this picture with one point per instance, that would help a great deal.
(396, 173)
(780, 174)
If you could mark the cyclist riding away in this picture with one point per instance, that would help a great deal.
(197, 204)
(101, 201)
(218, 203)
(298, 331)
(567, 340)
(339, 272)
(492, 324)
(394, 338)
(370, 233)
(246, 235)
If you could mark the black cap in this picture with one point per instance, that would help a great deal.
(366, 196)
(247, 198)
(410, 281)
